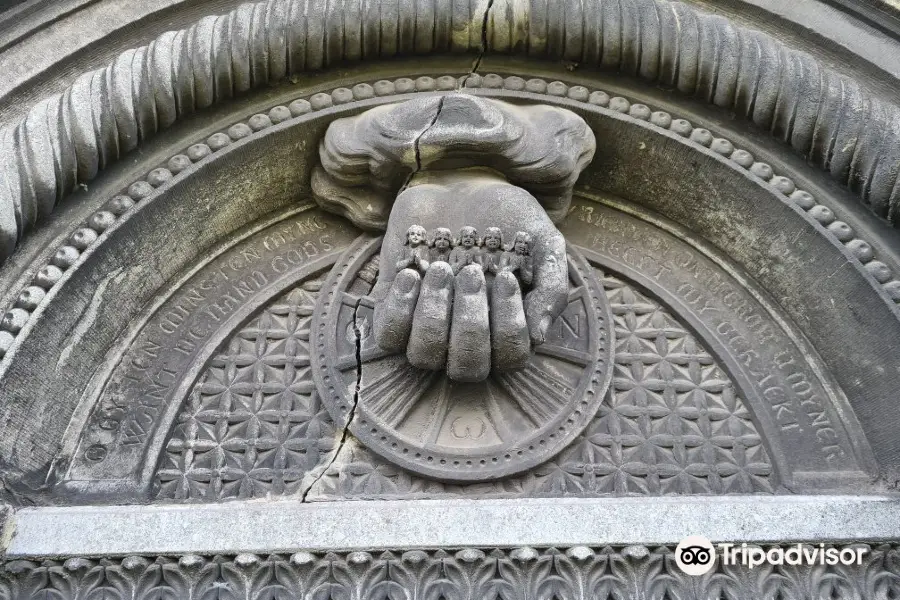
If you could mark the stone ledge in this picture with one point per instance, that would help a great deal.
(285, 526)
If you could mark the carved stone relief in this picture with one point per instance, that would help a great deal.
(603, 573)
(857, 466)
(325, 256)
(448, 313)
(460, 430)
(439, 426)
(673, 422)
(742, 402)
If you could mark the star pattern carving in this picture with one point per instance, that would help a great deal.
(672, 423)
(253, 425)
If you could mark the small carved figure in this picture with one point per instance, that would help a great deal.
(483, 163)
(441, 244)
(517, 259)
(491, 257)
(467, 249)
(415, 251)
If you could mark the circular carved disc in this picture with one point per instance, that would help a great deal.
(423, 421)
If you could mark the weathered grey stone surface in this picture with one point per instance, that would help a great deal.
(613, 172)
(6, 527)
(181, 323)
(574, 573)
(817, 94)
(738, 186)
(401, 525)
(460, 425)
(367, 160)
(247, 431)
(467, 164)
(458, 199)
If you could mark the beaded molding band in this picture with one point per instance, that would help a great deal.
(85, 237)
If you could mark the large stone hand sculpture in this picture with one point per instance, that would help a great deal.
(468, 317)
(418, 169)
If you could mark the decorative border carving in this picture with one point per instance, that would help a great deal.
(88, 234)
(67, 139)
(577, 572)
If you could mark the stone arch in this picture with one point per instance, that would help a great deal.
(828, 118)
(157, 220)
(248, 146)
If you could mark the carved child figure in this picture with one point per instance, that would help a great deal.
(466, 251)
(441, 244)
(415, 250)
(491, 257)
(517, 259)
(485, 163)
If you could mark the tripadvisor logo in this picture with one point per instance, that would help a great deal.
(695, 555)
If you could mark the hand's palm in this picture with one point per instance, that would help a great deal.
(440, 319)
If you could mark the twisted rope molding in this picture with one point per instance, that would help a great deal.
(67, 139)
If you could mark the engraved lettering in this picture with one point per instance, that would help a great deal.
(138, 424)
(794, 395)
(573, 324)
(279, 264)
(310, 249)
(471, 428)
(250, 254)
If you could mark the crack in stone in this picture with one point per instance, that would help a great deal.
(416, 142)
(418, 168)
(416, 148)
(484, 45)
(345, 431)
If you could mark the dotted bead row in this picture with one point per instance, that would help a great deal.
(246, 560)
(83, 238)
(67, 256)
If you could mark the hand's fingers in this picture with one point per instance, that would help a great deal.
(469, 354)
(548, 298)
(427, 347)
(510, 345)
(393, 318)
